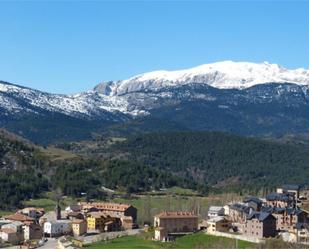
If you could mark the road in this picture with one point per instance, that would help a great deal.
(109, 235)
(50, 244)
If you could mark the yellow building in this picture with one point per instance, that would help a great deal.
(99, 221)
(96, 221)
(79, 227)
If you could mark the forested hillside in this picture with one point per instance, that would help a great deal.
(27, 171)
(220, 160)
(21, 170)
(199, 160)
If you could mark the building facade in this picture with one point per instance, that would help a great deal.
(79, 227)
(215, 211)
(260, 225)
(100, 221)
(57, 228)
(112, 209)
(170, 224)
(218, 224)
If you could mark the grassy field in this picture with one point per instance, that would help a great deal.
(2, 213)
(196, 241)
(150, 205)
(48, 202)
(58, 154)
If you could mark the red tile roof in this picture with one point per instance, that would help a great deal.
(18, 217)
(106, 206)
(177, 214)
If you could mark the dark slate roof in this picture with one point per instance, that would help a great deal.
(240, 207)
(252, 199)
(267, 209)
(290, 187)
(261, 216)
(300, 225)
(278, 197)
(294, 211)
(279, 210)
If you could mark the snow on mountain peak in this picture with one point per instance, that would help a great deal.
(223, 75)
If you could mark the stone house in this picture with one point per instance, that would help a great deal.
(79, 227)
(218, 224)
(10, 235)
(170, 224)
(32, 231)
(112, 209)
(287, 218)
(280, 200)
(260, 225)
(238, 212)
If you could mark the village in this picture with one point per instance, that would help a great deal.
(277, 215)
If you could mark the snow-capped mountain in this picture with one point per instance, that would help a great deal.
(240, 97)
(222, 75)
(17, 99)
(122, 96)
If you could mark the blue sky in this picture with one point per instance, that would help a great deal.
(70, 46)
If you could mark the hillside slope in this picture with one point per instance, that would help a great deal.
(27, 171)
(220, 160)
(21, 170)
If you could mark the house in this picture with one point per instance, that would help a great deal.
(32, 231)
(112, 209)
(218, 224)
(57, 228)
(75, 216)
(100, 221)
(287, 218)
(215, 211)
(302, 232)
(19, 217)
(254, 203)
(10, 235)
(73, 208)
(32, 212)
(12, 231)
(17, 226)
(79, 227)
(280, 200)
(171, 224)
(126, 222)
(260, 225)
(238, 212)
(293, 189)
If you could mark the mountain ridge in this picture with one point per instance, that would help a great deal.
(222, 75)
(271, 108)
